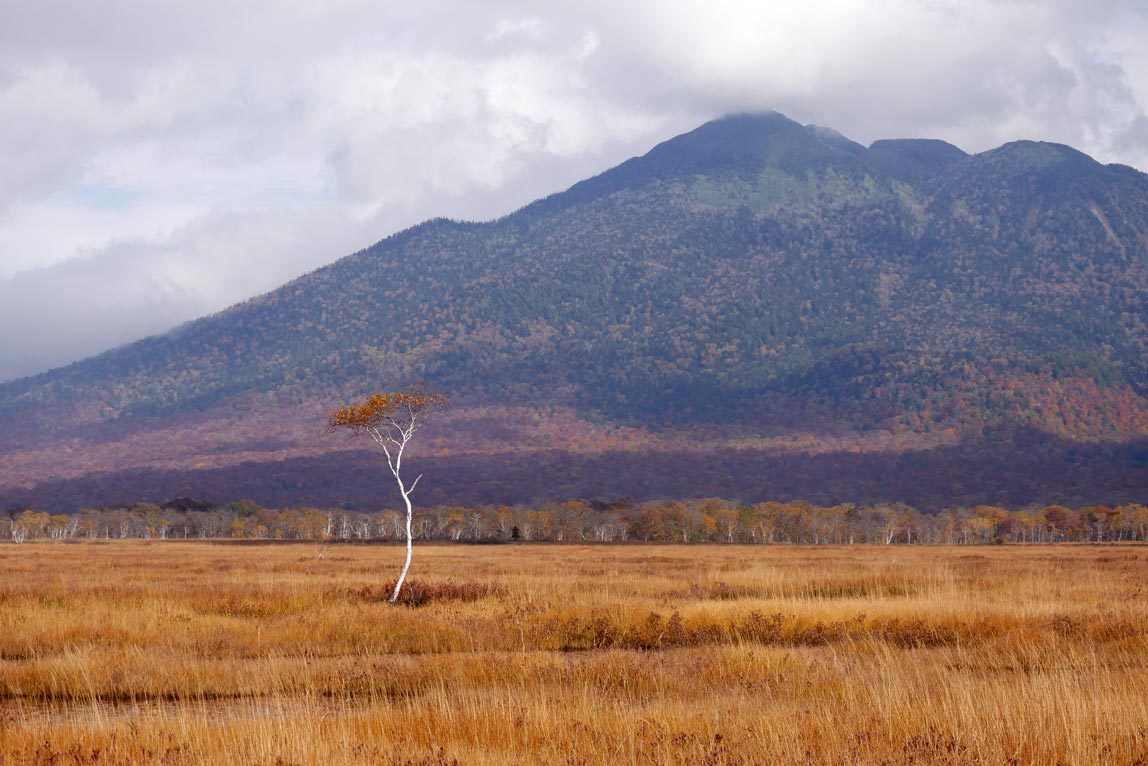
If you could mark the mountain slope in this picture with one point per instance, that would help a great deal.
(753, 282)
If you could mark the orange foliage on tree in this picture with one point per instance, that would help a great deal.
(387, 411)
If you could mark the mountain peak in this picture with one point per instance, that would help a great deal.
(755, 137)
(912, 160)
(736, 141)
(1038, 156)
(741, 145)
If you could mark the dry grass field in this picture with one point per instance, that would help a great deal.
(184, 653)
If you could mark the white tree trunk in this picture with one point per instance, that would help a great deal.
(399, 441)
(410, 548)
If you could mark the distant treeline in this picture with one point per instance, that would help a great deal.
(709, 520)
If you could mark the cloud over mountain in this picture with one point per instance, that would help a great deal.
(208, 152)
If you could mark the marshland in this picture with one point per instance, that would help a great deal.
(168, 652)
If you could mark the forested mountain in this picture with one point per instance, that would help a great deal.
(754, 285)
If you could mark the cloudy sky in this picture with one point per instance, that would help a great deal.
(162, 160)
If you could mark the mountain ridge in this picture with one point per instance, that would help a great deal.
(753, 276)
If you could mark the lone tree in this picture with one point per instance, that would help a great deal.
(391, 419)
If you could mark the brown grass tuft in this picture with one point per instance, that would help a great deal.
(421, 593)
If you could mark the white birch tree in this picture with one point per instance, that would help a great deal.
(391, 420)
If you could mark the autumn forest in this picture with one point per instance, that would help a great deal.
(694, 521)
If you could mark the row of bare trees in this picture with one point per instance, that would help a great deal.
(688, 521)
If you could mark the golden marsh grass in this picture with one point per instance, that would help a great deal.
(196, 653)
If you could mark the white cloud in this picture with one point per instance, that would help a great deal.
(504, 28)
(45, 233)
(176, 157)
(140, 287)
(403, 126)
